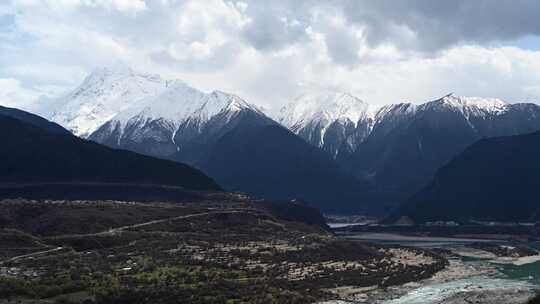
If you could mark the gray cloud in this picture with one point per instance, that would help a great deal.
(342, 46)
(436, 25)
(422, 25)
(276, 24)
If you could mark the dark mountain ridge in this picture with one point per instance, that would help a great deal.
(273, 163)
(34, 120)
(246, 151)
(47, 164)
(495, 179)
(33, 154)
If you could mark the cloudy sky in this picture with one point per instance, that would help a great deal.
(383, 51)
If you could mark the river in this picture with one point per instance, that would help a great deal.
(467, 279)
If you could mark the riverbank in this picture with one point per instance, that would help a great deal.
(473, 275)
(400, 238)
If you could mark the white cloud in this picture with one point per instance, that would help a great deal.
(63, 74)
(128, 7)
(13, 94)
(131, 7)
(264, 51)
(6, 7)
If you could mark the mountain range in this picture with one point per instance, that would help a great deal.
(408, 142)
(327, 147)
(396, 149)
(219, 133)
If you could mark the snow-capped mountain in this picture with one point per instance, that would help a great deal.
(328, 119)
(174, 120)
(396, 148)
(469, 107)
(101, 96)
(339, 123)
(180, 102)
(408, 143)
(231, 140)
(146, 113)
(221, 134)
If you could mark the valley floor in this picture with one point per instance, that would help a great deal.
(216, 249)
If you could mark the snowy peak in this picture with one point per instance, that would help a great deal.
(179, 102)
(322, 105)
(221, 101)
(173, 103)
(121, 95)
(102, 73)
(400, 109)
(177, 121)
(118, 75)
(103, 94)
(328, 119)
(470, 105)
(466, 105)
